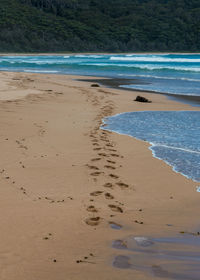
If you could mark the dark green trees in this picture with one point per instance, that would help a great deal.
(93, 25)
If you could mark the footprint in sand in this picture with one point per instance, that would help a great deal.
(112, 150)
(95, 144)
(103, 155)
(110, 161)
(95, 159)
(138, 222)
(109, 196)
(114, 225)
(93, 221)
(119, 202)
(96, 193)
(96, 149)
(108, 185)
(91, 208)
(109, 145)
(114, 155)
(122, 185)
(120, 244)
(92, 167)
(109, 167)
(47, 237)
(96, 173)
(115, 208)
(113, 176)
(21, 145)
(105, 140)
(23, 190)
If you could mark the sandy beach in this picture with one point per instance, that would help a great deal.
(69, 189)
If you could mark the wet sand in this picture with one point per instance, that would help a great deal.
(116, 83)
(69, 189)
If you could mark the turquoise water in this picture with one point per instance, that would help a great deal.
(168, 73)
(174, 136)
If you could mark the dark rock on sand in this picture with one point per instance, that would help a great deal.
(142, 99)
(95, 85)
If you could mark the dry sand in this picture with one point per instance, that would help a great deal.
(63, 180)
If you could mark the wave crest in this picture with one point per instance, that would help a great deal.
(155, 59)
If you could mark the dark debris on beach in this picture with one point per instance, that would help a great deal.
(142, 99)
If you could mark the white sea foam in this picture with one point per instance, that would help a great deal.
(154, 59)
(97, 64)
(43, 62)
(157, 67)
(16, 57)
(160, 77)
(96, 56)
(175, 148)
(88, 56)
(41, 71)
(198, 188)
(176, 68)
(145, 66)
(174, 167)
(80, 55)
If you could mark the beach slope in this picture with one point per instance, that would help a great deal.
(68, 189)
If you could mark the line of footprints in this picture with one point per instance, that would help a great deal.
(106, 156)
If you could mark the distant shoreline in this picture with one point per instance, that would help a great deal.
(89, 53)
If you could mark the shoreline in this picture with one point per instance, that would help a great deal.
(64, 181)
(151, 145)
(90, 53)
(116, 83)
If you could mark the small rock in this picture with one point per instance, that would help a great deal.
(142, 99)
(95, 85)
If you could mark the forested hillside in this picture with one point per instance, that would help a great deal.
(99, 25)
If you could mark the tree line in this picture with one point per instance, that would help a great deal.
(104, 26)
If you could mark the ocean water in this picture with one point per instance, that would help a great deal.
(167, 73)
(174, 136)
